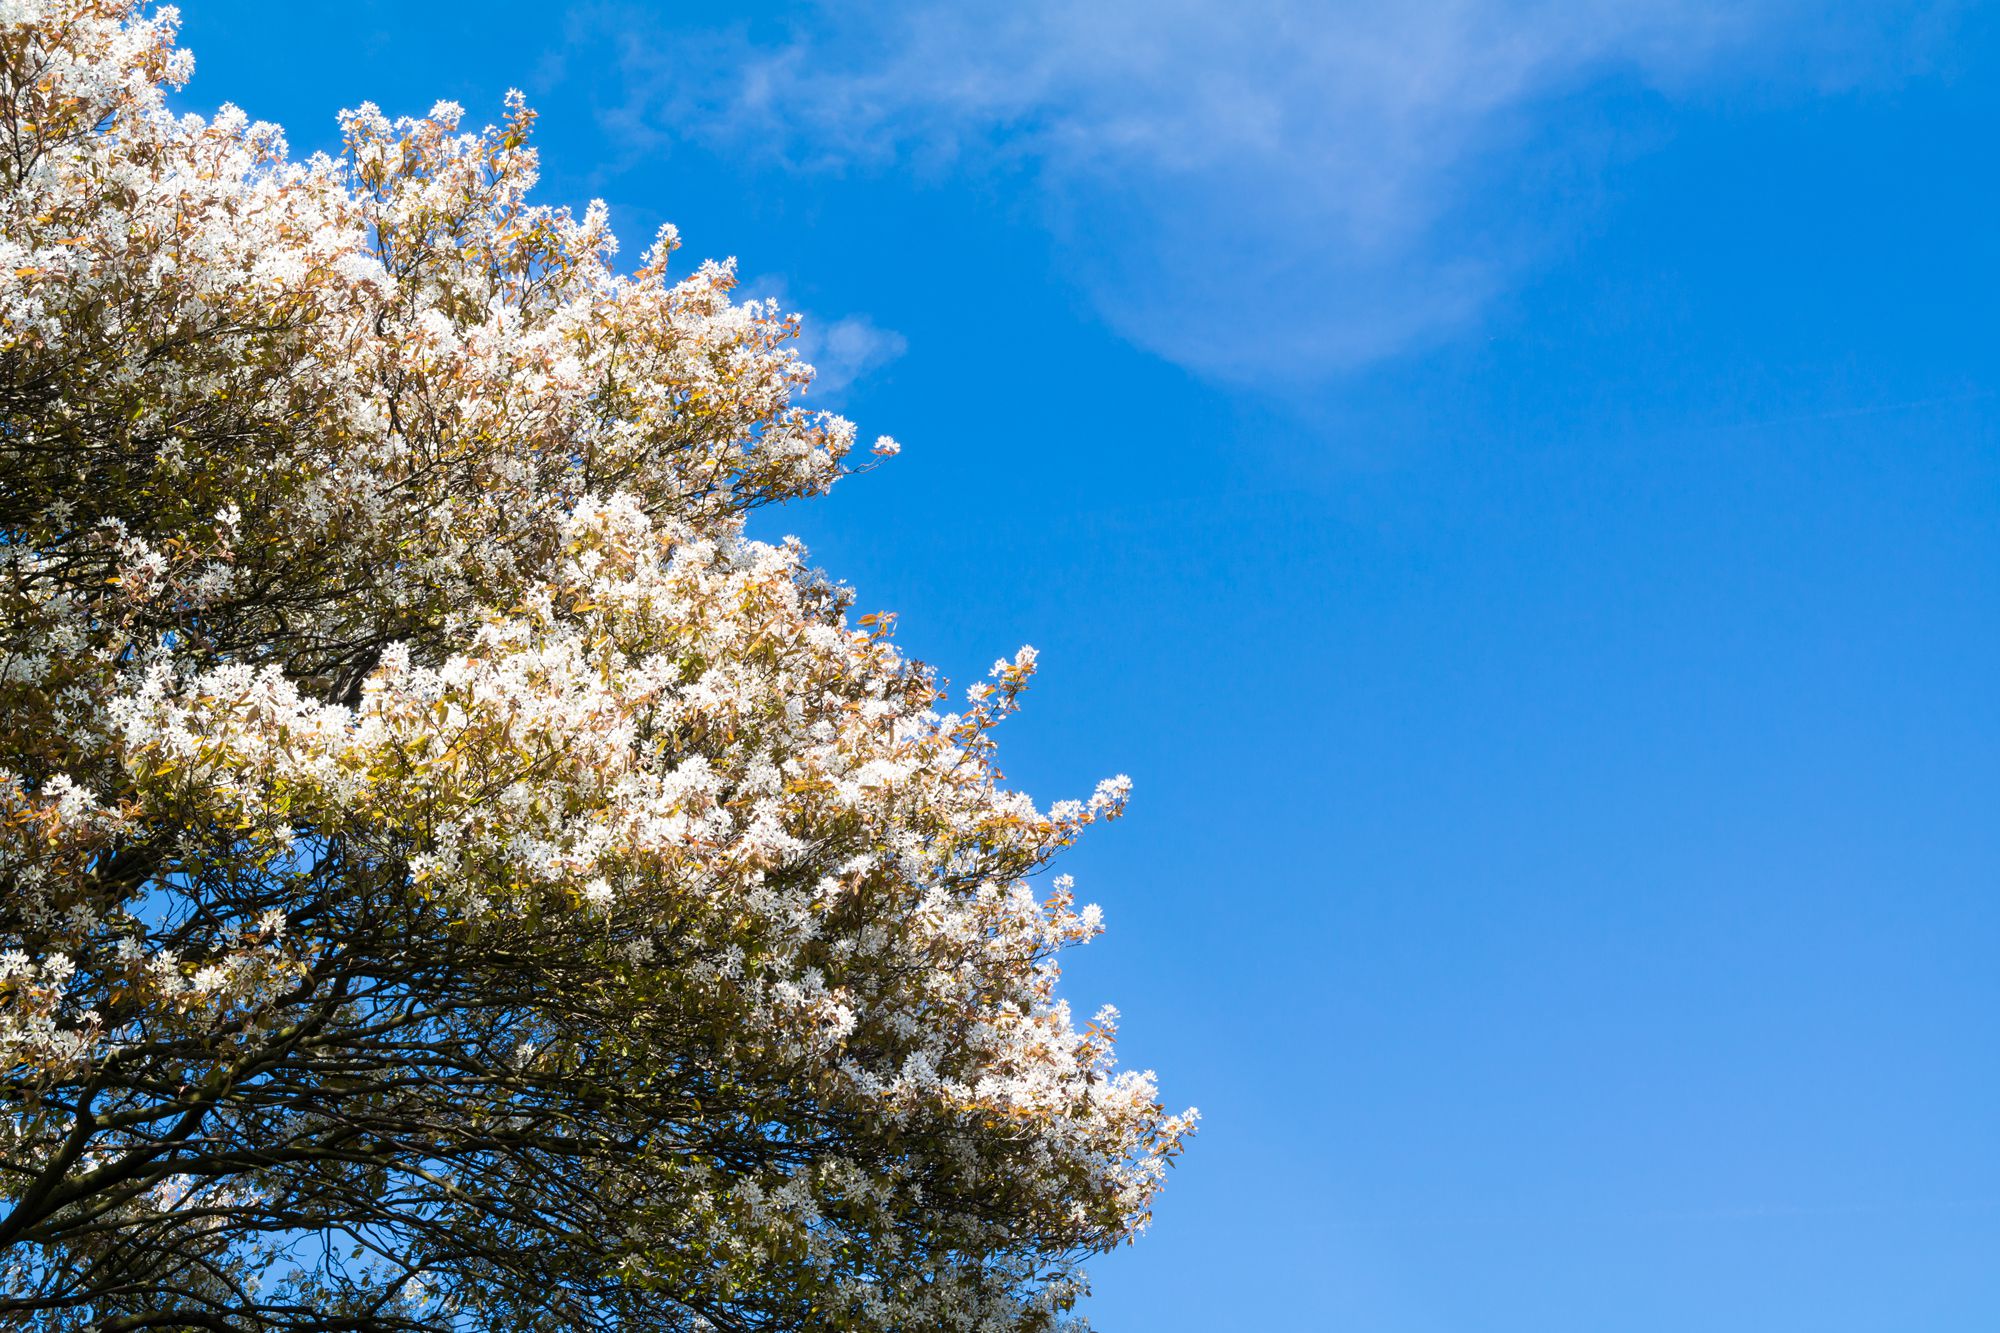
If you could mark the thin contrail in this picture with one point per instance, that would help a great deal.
(1843, 413)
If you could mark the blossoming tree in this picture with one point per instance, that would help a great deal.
(450, 876)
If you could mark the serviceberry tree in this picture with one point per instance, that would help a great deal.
(451, 877)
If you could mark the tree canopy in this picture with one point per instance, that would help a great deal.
(452, 877)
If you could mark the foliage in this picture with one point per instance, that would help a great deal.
(453, 878)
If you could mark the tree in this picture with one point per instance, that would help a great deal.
(453, 877)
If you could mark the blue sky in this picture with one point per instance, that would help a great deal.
(1515, 484)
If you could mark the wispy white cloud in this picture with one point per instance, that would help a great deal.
(1261, 190)
(841, 351)
(845, 350)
